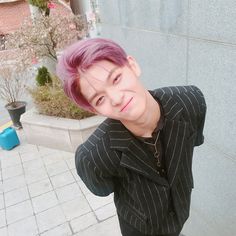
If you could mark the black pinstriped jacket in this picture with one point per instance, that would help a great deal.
(113, 160)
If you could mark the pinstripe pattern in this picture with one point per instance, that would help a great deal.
(112, 160)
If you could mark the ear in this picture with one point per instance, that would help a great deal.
(134, 66)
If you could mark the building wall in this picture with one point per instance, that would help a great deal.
(183, 42)
(12, 15)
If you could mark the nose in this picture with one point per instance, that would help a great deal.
(115, 97)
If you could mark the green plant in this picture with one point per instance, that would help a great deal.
(51, 100)
(43, 77)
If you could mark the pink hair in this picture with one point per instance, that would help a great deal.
(82, 55)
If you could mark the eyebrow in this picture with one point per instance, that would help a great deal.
(107, 79)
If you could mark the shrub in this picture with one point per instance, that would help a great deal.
(43, 77)
(51, 100)
(39, 3)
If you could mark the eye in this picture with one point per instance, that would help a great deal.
(117, 79)
(100, 100)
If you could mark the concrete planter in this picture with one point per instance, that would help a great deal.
(59, 133)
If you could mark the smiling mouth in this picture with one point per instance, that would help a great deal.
(123, 108)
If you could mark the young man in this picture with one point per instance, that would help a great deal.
(143, 151)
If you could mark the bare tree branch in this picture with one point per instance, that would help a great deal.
(46, 36)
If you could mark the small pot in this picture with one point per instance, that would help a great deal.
(15, 111)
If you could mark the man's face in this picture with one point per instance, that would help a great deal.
(114, 91)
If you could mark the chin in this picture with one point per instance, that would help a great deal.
(133, 117)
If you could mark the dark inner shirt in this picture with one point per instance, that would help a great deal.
(154, 144)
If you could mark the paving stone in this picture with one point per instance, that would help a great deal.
(12, 172)
(33, 165)
(32, 176)
(61, 230)
(29, 156)
(26, 148)
(96, 202)
(8, 154)
(19, 211)
(83, 222)
(46, 152)
(62, 179)
(68, 192)
(40, 187)
(2, 218)
(71, 163)
(106, 211)
(83, 187)
(16, 196)
(57, 168)
(44, 201)
(1, 201)
(76, 176)
(106, 228)
(75, 207)
(3, 231)
(68, 155)
(10, 161)
(51, 159)
(25, 227)
(50, 218)
(14, 183)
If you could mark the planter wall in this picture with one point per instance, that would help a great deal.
(59, 133)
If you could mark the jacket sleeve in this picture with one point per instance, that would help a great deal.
(201, 116)
(197, 111)
(99, 183)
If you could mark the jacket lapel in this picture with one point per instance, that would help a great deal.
(174, 143)
(133, 156)
(140, 161)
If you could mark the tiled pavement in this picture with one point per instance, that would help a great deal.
(41, 194)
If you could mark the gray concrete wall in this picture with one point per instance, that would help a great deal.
(180, 42)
